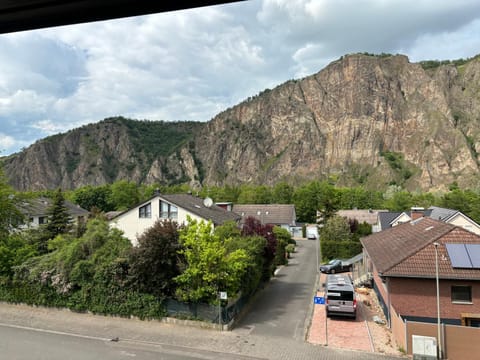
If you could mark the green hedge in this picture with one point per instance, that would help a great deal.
(340, 249)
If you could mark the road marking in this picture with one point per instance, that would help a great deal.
(54, 332)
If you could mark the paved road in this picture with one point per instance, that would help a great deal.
(23, 343)
(283, 308)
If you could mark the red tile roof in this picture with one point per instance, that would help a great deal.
(407, 250)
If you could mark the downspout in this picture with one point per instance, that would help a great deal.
(389, 320)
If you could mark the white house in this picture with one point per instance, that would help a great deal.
(36, 211)
(390, 219)
(176, 207)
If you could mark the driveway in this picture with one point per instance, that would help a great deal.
(283, 308)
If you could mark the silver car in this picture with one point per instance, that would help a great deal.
(340, 297)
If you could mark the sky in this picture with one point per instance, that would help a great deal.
(193, 64)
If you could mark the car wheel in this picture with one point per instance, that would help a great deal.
(332, 271)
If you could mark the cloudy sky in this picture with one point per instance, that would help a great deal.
(192, 64)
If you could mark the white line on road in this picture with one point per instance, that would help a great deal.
(54, 332)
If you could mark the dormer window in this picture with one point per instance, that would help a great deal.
(145, 211)
(168, 211)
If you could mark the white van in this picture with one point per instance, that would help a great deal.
(340, 297)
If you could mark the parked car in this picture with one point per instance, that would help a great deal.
(340, 296)
(336, 266)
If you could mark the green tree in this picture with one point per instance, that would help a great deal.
(90, 197)
(337, 241)
(124, 195)
(282, 193)
(10, 216)
(209, 266)
(336, 228)
(59, 221)
(14, 249)
(155, 261)
(316, 196)
(399, 200)
(283, 239)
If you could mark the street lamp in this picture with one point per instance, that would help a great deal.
(439, 341)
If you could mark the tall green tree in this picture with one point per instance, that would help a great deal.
(90, 197)
(210, 268)
(10, 216)
(59, 220)
(282, 193)
(124, 194)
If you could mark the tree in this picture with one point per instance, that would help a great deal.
(124, 195)
(154, 263)
(253, 227)
(313, 197)
(10, 216)
(210, 268)
(282, 193)
(283, 238)
(336, 228)
(90, 197)
(337, 240)
(59, 220)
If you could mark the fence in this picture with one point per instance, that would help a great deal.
(206, 312)
(458, 342)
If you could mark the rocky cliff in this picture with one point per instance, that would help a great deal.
(368, 120)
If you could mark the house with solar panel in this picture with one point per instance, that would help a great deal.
(176, 207)
(402, 261)
(388, 219)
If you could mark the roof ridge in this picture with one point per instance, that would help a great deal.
(415, 250)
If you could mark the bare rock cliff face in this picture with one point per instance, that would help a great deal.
(364, 120)
(342, 120)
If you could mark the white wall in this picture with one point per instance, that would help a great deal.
(465, 223)
(133, 226)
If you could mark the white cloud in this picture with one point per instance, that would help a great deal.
(190, 65)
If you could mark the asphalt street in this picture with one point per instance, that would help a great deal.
(284, 307)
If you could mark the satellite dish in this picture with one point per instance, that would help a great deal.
(208, 202)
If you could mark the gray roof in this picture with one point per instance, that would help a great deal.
(442, 214)
(386, 218)
(40, 206)
(275, 214)
(196, 206)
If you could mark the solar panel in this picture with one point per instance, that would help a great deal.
(474, 251)
(458, 256)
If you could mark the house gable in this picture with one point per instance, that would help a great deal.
(275, 214)
(176, 207)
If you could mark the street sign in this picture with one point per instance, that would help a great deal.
(223, 295)
(318, 300)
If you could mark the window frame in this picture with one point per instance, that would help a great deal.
(456, 290)
(171, 213)
(145, 211)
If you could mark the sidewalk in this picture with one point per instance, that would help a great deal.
(361, 334)
(236, 343)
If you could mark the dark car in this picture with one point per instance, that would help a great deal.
(335, 266)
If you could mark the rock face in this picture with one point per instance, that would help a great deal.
(344, 120)
(365, 120)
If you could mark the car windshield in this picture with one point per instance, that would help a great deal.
(332, 262)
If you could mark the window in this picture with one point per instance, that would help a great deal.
(42, 220)
(462, 294)
(145, 211)
(168, 211)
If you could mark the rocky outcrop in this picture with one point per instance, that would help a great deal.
(364, 120)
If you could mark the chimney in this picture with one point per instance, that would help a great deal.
(416, 212)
